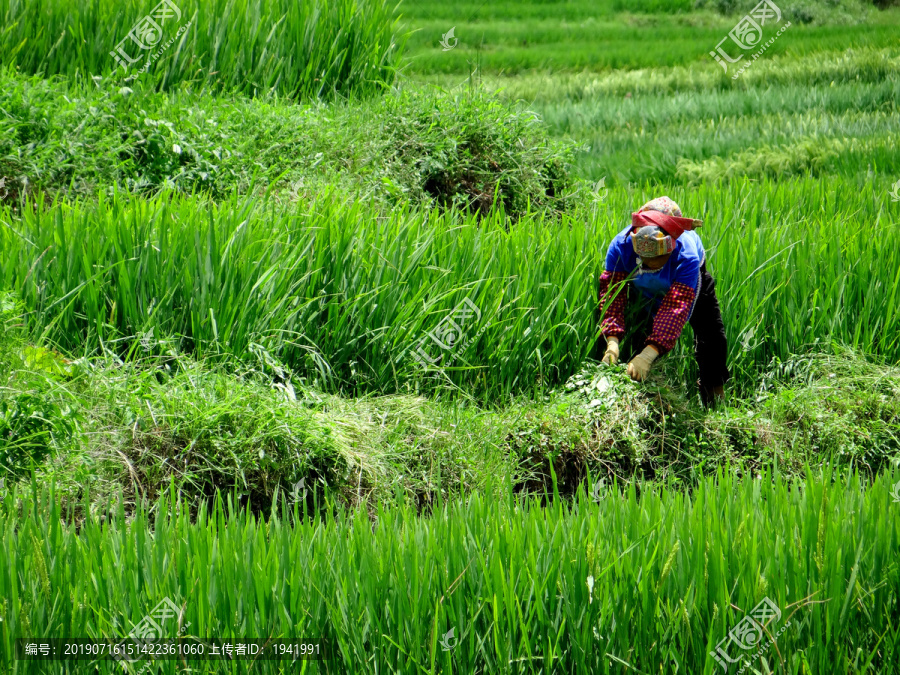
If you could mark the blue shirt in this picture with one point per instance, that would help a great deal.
(682, 266)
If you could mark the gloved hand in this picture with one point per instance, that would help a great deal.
(639, 367)
(611, 356)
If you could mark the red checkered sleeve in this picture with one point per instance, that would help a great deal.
(613, 323)
(671, 316)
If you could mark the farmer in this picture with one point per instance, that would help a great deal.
(664, 260)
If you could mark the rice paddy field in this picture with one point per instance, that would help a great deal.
(300, 338)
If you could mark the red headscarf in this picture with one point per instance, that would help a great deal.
(671, 225)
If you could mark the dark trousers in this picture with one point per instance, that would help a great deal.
(710, 343)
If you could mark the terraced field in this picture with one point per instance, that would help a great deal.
(299, 337)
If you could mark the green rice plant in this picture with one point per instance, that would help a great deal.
(346, 296)
(11, 338)
(788, 119)
(660, 6)
(304, 284)
(296, 49)
(635, 577)
(831, 112)
(594, 40)
(843, 63)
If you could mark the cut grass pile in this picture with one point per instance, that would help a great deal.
(645, 578)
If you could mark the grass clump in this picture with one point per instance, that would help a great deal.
(255, 433)
(426, 147)
(472, 152)
(841, 404)
(32, 425)
(209, 430)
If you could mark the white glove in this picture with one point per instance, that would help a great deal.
(639, 367)
(611, 356)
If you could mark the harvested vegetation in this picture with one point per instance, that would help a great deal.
(104, 424)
